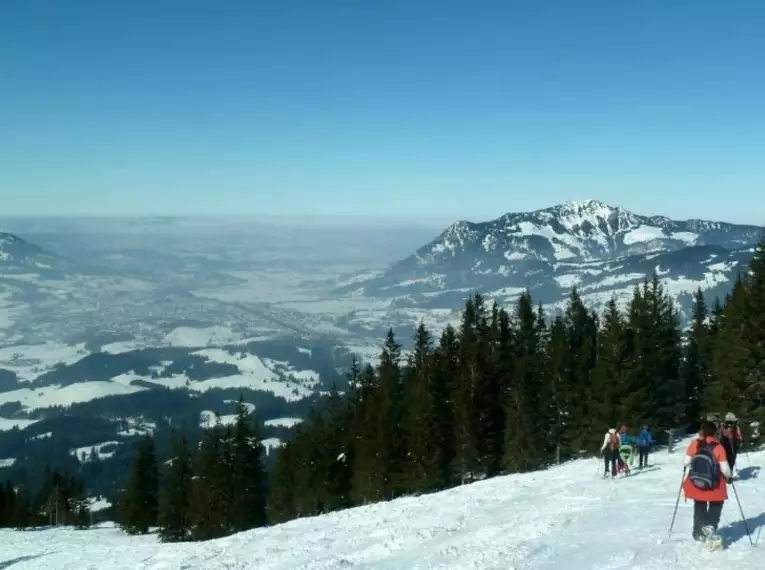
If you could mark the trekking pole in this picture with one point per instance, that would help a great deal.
(743, 517)
(677, 503)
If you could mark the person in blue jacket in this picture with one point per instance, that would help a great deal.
(644, 443)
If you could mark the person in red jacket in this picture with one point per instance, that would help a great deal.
(708, 499)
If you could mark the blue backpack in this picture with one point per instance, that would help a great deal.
(704, 471)
(644, 439)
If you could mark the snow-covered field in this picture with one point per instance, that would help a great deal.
(564, 518)
(28, 362)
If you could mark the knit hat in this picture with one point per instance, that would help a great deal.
(730, 417)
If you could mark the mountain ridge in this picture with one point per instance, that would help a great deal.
(600, 248)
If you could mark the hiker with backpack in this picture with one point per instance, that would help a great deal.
(626, 449)
(706, 482)
(730, 437)
(644, 443)
(610, 451)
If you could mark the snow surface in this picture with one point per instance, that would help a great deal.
(271, 443)
(644, 234)
(84, 454)
(67, 395)
(7, 424)
(283, 422)
(30, 360)
(565, 518)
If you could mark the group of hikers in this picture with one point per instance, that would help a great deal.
(709, 463)
(619, 449)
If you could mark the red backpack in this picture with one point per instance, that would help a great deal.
(613, 442)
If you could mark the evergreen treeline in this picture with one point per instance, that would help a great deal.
(61, 500)
(506, 391)
(511, 391)
(213, 491)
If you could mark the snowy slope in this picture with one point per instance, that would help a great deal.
(566, 517)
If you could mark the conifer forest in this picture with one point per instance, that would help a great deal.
(511, 389)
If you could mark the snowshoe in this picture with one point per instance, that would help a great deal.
(712, 540)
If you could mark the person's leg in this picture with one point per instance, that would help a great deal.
(614, 461)
(713, 514)
(699, 518)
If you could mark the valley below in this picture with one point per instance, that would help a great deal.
(110, 329)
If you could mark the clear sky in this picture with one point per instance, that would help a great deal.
(388, 108)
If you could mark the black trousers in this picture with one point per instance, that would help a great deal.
(610, 458)
(643, 456)
(732, 459)
(730, 451)
(705, 514)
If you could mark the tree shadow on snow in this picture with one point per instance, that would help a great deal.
(748, 473)
(8, 563)
(737, 530)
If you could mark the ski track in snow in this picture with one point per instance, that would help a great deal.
(567, 517)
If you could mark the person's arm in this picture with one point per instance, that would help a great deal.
(722, 458)
(689, 453)
(605, 443)
(725, 468)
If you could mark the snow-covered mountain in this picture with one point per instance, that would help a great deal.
(604, 250)
(18, 255)
(564, 517)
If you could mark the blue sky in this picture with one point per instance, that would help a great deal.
(404, 109)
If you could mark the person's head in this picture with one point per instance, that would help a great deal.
(730, 417)
(612, 431)
(644, 427)
(623, 429)
(708, 429)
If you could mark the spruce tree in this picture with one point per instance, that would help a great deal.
(446, 368)
(247, 479)
(698, 360)
(80, 508)
(423, 457)
(388, 439)
(576, 376)
(312, 465)
(3, 507)
(754, 332)
(556, 377)
(209, 490)
(139, 503)
(727, 390)
(524, 436)
(471, 360)
(281, 496)
(488, 407)
(6, 514)
(340, 452)
(610, 377)
(21, 517)
(364, 486)
(175, 497)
